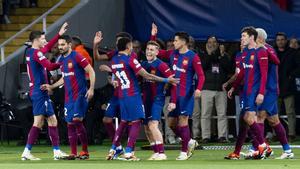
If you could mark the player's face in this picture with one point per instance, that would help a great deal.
(178, 43)
(245, 39)
(41, 41)
(63, 46)
(151, 52)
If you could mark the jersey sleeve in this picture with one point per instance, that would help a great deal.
(165, 54)
(199, 71)
(165, 70)
(82, 61)
(262, 57)
(39, 57)
(50, 44)
(135, 65)
(272, 56)
(110, 54)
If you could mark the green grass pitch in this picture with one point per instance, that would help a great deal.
(202, 159)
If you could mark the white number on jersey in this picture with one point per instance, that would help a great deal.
(125, 83)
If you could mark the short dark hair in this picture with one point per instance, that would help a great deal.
(250, 30)
(154, 43)
(281, 34)
(183, 36)
(76, 40)
(123, 35)
(122, 44)
(35, 35)
(67, 38)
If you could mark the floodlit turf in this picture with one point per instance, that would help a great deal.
(204, 159)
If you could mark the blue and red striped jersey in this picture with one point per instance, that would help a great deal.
(153, 89)
(37, 66)
(272, 80)
(72, 67)
(254, 71)
(125, 68)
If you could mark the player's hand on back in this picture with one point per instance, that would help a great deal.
(259, 99)
(63, 29)
(104, 68)
(98, 37)
(173, 80)
(197, 94)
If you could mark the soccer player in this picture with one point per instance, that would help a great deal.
(74, 67)
(254, 74)
(154, 98)
(126, 69)
(185, 63)
(37, 64)
(113, 105)
(269, 109)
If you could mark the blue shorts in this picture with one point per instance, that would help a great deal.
(112, 108)
(132, 108)
(154, 109)
(76, 109)
(249, 102)
(270, 104)
(184, 107)
(42, 105)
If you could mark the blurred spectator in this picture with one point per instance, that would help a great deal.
(4, 11)
(287, 66)
(137, 48)
(216, 67)
(79, 48)
(294, 43)
(28, 3)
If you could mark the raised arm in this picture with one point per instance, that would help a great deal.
(52, 42)
(97, 40)
(41, 59)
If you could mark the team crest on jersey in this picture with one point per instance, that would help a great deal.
(70, 65)
(252, 57)
(185, 62)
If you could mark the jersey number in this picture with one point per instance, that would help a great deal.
(125, 83)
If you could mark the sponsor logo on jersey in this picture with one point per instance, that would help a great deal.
(175, 68)
(153, 72)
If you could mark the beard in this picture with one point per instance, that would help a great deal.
(63, 52)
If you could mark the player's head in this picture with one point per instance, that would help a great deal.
(152, 50)
(281, 40)
(261, 35)
(76, 41)
(122, 35)
(125, 45)
(65, 44)
(38, 39)
(248, 35)
(181, 39)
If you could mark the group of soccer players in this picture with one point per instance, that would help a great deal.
(257, 69)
